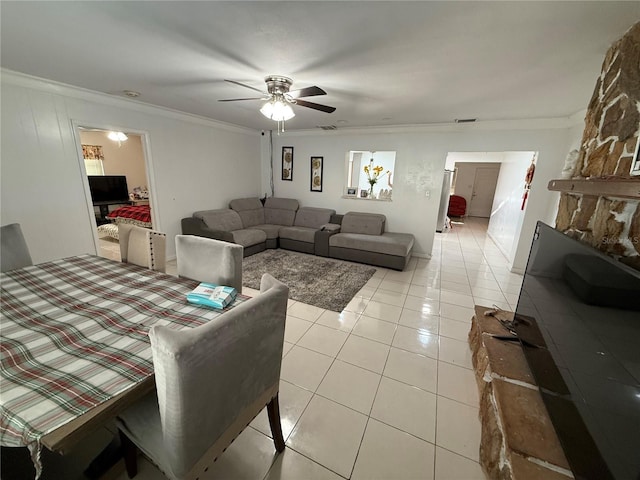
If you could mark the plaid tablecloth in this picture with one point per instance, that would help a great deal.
(73, 334)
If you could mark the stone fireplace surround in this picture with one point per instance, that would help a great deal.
(600, 205)
(518, 440)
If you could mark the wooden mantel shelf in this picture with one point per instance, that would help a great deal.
(602, 187)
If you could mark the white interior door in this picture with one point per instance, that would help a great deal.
(484, 188)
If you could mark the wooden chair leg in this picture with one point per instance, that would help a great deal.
(273, 409)
(130, 454)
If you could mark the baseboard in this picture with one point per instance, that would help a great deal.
(512, 269)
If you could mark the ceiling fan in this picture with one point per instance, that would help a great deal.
(279, 98)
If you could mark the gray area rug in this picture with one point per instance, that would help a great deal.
(319, 281)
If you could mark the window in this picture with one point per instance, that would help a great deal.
(93, 158)
(371, 173)
(94, 167)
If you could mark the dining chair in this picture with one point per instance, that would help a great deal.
(142, 246)
(208, 260)
(211, 381)
(14, 252)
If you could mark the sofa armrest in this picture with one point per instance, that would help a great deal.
(330, 227)
(195, 226)
(321, 239)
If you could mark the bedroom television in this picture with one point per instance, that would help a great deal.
(108, 189)
(578, 321)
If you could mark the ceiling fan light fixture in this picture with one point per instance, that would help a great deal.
(279, 99)
(277, 109)
(117, 136)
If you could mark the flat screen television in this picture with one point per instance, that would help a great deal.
(578, 320)
(107, 189)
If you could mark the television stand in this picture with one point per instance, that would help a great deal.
(101, 219)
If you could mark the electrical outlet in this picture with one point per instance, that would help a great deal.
(427, 194)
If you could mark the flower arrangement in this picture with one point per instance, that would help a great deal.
(373, 175)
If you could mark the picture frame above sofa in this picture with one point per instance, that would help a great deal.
(316, 173)
(287, 163)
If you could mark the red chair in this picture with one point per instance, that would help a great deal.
(457, 206)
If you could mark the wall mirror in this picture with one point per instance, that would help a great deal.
(370, 174)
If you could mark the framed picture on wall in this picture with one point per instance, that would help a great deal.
(287, 163)
(635, 162)
(316, 174)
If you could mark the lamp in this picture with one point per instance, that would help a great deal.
(117, 136)
(278, 109)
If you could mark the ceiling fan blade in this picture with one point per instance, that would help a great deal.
(246, 86)
(307, 92)
(241, 99)
(315, 106)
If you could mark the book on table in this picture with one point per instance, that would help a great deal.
(212, 295)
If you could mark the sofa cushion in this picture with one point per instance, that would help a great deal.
(272, 231)
(280, 211)
(250, 210)
(301, 234)
(367, 223)
(248, 237)
(398, 244)
(223, 219)
(313, 217)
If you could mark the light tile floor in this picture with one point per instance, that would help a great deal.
(384, 389)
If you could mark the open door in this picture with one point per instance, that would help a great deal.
(117, 183)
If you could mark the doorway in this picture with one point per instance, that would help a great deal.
(476, 182)
(493, 184)
(117, 183)
(484, 189)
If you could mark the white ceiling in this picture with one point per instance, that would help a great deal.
(381, 63)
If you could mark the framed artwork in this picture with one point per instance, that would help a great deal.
(316, 174)
(92, 152)
(635, 162)
(364, 193)
(287, 163)
(352, 191)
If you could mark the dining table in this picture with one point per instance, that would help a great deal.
(74, 346)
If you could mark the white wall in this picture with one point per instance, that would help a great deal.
(506, 214)
(420, 162)
(199, 164)
(573, 142)
(196, 163)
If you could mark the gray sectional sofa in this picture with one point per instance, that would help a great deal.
(355, 236)
(302, 235)
(225, 224)
(362, 239)
(270, 218)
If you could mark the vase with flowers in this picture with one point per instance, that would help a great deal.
(373, 175)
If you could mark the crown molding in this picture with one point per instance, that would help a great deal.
(487, 125)
(10, 77)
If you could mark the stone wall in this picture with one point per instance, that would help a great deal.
(612, 127)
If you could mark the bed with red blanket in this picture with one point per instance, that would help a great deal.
(135, 214)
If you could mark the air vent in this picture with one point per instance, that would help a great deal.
(328, 127)
(465, 120)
